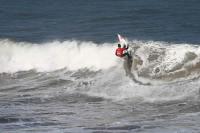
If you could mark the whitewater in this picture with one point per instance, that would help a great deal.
(74, 55)
(81, 86)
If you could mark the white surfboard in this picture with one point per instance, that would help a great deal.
(122, 40)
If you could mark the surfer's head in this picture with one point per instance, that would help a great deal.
(119, 45)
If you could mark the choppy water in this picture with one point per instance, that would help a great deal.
(58, 71)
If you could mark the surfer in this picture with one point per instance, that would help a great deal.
(122, 52)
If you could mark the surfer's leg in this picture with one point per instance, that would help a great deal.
(128, 55)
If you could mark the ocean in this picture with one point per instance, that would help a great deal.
(59, 72)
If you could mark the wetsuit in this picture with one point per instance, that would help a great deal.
(121, 52)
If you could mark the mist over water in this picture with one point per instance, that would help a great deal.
(59, 72)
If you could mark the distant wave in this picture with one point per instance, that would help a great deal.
(72, 55)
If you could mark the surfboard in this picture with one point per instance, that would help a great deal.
(122, 40)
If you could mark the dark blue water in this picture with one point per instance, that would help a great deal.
(100, 21)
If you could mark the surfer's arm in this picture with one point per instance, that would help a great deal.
(127, 46)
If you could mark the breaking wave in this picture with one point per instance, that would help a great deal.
(152, 61)
(163, 61)
(73, 55)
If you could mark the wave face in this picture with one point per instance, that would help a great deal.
(73, 55)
